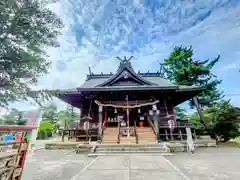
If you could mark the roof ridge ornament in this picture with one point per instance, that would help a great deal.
(125, 61)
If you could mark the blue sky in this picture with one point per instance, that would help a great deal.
(97, 31)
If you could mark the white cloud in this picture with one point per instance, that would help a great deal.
(96, 32)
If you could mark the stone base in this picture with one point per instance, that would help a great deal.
(128, 148)
(57, 146)
(164, 147)
(181, 146)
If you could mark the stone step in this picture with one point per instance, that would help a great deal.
(131, 152)
(122, 149)
(145, 132)
(110, 137)
(141, 141)
(146, 136)
(113, 140)
(120, 154)
(129, 145)
(150, 131)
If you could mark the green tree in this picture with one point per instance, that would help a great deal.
(27, 28)
(46, 129)
(201, 130)
(182, 69)
(13, 117)
(224, 119)
(67, 117)
(221, 120)
(50, 113)
(180, 112)
(2, 121)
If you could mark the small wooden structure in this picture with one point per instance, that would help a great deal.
(12, 163)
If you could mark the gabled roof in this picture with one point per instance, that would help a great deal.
(125, 71)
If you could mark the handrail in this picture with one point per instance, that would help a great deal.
(153, 127)
(119, 132)
(135, 132)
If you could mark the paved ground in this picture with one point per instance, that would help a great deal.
(206, 164)
(41, 143)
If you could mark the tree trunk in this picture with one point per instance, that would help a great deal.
(199, 110)
(226, 138)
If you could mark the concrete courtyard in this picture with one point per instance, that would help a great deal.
(205, 164)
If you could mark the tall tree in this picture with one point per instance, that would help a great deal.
(182, 69)
(67, 116)
(180, 112)
(13, 117)
(27, 28)
(50, 113)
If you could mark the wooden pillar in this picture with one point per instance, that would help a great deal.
(166, 134)
(106, 114)
(171, 134)
(194, 134)
(69, 135)
(180, 132)
(100, 120)
(155, 120)
(148, 116)
(63, 131)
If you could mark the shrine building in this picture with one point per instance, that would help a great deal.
(128, 107)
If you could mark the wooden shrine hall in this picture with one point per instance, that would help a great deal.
(129, 107)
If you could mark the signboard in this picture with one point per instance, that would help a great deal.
(171, 124)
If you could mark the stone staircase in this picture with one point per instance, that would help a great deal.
(146, 135)
(114, 149)
(127, 140)
(110, 136)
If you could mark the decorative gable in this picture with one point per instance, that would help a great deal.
(125, 75)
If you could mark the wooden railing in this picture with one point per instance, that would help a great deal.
(153, 127)
(8, 164)
(12, 163)
(135, 132)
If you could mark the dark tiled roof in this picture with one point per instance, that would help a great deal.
(144, 81)
(156, 80)
(91, 83)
